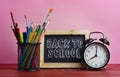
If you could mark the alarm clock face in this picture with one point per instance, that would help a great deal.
(96, 55)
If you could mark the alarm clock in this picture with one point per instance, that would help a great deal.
(96, 54)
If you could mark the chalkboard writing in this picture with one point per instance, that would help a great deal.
(63, 48)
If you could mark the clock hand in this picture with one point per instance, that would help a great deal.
(92, 57)
(96, 52)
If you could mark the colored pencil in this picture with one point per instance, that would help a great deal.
(21, 37)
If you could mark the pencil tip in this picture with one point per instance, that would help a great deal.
(25, 16)
(50, 10)
(11, 12)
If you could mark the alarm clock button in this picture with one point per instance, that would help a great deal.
(104, 41)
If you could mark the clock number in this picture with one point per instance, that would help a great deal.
(91, 62)
(104, 60)
(88, 51)
(92, 48)
(96, 65)
(100, 63)
(86, 55)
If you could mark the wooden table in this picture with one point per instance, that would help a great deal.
(10, 70)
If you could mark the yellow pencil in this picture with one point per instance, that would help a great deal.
(31, 36)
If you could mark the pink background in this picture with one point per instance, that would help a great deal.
(93, 15)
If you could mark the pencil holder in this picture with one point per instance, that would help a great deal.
(28, 56)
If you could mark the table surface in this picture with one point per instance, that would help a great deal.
(10, 70)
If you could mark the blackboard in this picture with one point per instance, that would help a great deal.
(63, 48)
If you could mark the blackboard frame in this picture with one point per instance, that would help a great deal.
(61, 65)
